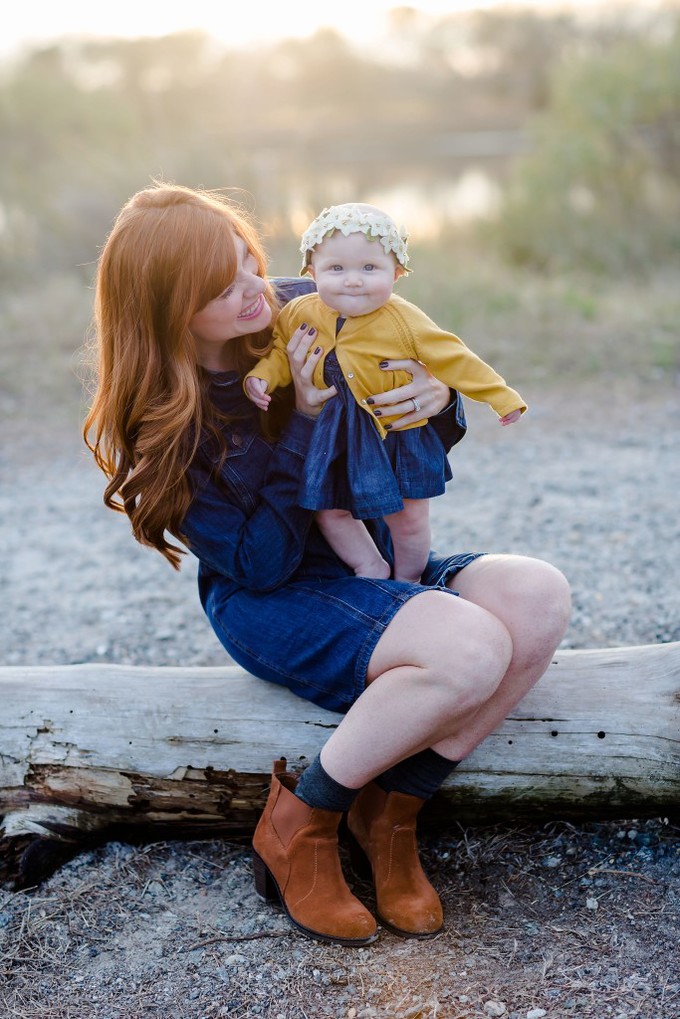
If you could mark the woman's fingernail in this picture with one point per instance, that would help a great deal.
(312, 331)
(304, 326)
(383, 364)
(378, 413)
(370, 400)
(317, 350)
(387, 427)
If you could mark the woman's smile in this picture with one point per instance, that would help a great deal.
(254, 309)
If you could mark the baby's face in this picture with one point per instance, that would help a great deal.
(354, 275)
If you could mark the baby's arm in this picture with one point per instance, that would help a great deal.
(273, 369)
(451, 361)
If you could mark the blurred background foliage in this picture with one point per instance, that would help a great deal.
(516, 146)
(572, 126)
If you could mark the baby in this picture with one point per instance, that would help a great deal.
(357, 468)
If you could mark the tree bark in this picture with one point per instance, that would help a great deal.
(90, 752)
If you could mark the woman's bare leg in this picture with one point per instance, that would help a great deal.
(448, 670)
(416, 697)
(532, 600)
(410, 530)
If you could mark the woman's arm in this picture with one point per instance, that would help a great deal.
(260, 549)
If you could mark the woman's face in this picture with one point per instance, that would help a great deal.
(241, 309)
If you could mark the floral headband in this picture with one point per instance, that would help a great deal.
(352, 219)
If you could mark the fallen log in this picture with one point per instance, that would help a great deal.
(91, 752)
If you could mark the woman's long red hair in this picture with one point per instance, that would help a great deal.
(170, 252)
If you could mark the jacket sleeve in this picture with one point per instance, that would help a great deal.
(262, 548)
(274, 368)
(451, 361)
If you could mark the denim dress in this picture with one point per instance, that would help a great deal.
(279, 599)
(350, 467)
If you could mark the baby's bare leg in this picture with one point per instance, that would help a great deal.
(351, 541)
(410, 530)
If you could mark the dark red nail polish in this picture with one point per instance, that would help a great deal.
(378, 413)
(370, 400)
(383, 364)
(304, 325)
(387, 427)
(312, 331)
(317, 350)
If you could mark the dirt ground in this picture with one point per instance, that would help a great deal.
(554, 920)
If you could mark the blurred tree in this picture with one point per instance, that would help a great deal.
(518, 50)
(83, 126)
(601, 187)
(304, 122)
(55, 141)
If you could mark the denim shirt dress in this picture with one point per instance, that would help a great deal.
(281, 602)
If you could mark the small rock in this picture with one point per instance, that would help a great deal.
(536, 1013)
(235, 960)
(494, 1008)
(591, 903)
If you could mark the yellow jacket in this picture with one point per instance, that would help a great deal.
(397, 330)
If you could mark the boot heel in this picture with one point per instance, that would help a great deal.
(264, 883)
(359, 862)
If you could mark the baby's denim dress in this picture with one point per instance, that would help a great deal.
(350, 467)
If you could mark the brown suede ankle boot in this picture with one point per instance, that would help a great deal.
(383, 826)
(295, 857)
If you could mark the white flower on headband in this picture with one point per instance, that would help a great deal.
(350, 219)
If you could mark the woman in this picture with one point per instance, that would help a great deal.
(423, 672)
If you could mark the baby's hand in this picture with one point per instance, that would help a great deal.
(509, 419)
(256, 390)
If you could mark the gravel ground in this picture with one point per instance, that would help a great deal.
(553, 920)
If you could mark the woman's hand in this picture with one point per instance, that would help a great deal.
(303, 358)
(423, 397)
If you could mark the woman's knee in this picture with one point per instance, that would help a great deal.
(459, 651)
(474, 667)
(532, 597)
(544, 599)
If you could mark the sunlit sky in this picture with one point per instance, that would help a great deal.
(234, 22)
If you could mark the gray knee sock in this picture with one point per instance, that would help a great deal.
(420, 775)
(316, 788)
